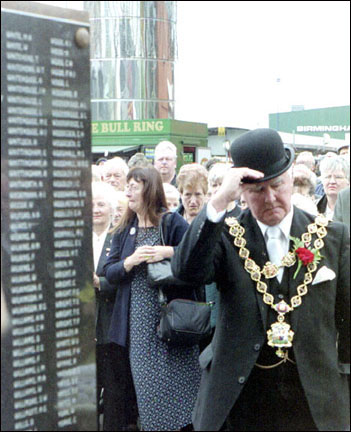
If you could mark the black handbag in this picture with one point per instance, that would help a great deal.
(183, 322)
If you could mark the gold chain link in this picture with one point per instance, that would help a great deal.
(270, 270)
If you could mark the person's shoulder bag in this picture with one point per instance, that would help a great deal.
(183, 322)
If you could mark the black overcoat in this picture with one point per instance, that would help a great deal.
(105, 297)
(321, 322)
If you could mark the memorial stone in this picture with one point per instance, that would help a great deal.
(48, 376)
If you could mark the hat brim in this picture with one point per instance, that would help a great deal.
(284, 166)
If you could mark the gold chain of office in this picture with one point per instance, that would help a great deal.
(279, 335)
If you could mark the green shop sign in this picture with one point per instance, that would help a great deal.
(132, 127)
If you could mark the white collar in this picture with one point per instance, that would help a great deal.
(103, 234)
(284, 225)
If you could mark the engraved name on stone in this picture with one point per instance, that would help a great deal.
(26, 125)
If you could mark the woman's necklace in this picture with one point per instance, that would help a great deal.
(279, 335)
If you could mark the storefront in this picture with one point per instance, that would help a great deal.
(125, 138)
(323, 122)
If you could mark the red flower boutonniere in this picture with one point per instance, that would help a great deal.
(305, 255)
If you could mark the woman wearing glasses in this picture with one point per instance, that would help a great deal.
(166, 379)
(335, 174)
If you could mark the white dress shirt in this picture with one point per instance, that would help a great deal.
(98, 244)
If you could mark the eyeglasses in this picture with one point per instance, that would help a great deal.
(336, 177)
(131, 188)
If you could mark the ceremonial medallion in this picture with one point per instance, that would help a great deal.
(279, 335)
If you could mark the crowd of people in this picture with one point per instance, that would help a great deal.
(233, 380)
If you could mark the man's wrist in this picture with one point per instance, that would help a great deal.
(212, 214)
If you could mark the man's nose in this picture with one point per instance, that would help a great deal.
(269, 196)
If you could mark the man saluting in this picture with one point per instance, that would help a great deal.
(280, 353)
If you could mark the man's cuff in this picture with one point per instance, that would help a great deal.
(212, 214)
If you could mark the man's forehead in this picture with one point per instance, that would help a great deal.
(114, 169)
(164, 153)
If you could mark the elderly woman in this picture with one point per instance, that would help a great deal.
(193, 186)
(335, 174)
(118, 392)
(166, 378)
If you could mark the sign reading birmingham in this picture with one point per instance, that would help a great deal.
(47, 348)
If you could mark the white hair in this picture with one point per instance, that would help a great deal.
(106, 191)
(164, 146)
(332, 164)
(116, 162)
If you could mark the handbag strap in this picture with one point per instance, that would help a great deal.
(162, 299)
(163, 230)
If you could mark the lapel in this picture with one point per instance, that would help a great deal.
(104, 253)
(298, 227)
(258, 252)
(129, 238)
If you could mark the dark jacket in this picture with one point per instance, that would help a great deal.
(123, 245)
(342, 207)
(174, 181)
(322, 204)
(321, 323)
(105, 297)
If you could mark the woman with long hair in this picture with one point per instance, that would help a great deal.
(166, 379)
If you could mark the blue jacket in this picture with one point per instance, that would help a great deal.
(123, 245)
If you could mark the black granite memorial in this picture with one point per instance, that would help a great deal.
(48, 376)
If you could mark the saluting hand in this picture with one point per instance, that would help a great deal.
(232, 186)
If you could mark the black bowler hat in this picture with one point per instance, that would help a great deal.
(262, 150)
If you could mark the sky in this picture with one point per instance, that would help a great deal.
(235, 52)
(238, 61)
